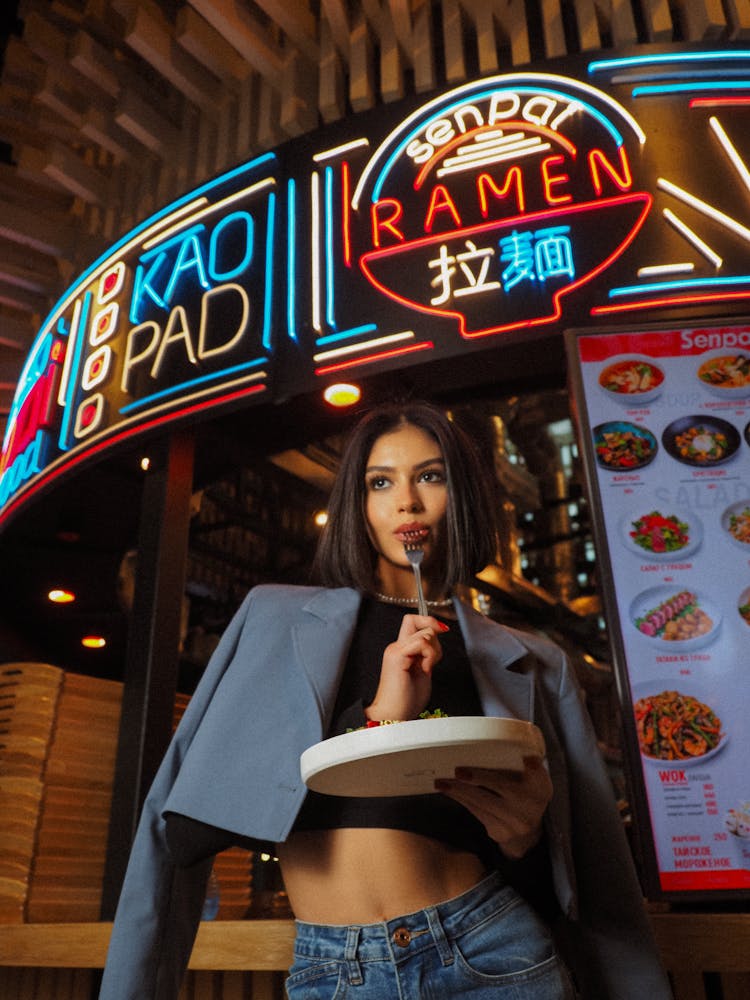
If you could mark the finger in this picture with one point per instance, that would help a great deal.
(533, 777)
(414, 623)
(500, 818)
(422, 642)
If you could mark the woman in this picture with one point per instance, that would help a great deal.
(458, 893)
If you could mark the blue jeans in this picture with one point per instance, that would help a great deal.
(485, 943)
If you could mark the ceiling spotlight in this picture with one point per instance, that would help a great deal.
(145, 463)
(342, 394)
(59, 596)
(94, 641)
(320, 517)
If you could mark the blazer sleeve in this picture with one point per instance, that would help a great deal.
(609, 938)
(160, 903)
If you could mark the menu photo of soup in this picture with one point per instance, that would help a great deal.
(632, 380)
(726, 373)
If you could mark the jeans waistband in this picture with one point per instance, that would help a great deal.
(400, 937)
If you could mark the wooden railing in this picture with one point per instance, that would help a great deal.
(231, 959)
(706, 955)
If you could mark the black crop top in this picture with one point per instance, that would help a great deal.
(453, 691)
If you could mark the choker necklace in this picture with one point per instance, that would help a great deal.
(413, 602)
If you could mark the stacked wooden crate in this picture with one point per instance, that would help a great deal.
(29, 694)
(66, 878)
(58, 740)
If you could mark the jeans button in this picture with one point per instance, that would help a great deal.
(402, 937)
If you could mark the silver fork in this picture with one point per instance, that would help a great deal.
(415, 554)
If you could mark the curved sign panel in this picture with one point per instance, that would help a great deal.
(510, 206)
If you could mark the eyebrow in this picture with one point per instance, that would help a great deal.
(420, 465)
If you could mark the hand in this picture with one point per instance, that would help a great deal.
(509, 804)
(406, 675)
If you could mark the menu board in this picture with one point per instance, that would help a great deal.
(664, 422)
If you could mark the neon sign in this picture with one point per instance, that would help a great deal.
(508, 206)
(485, 211)
(165, 317)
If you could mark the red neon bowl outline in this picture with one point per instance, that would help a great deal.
(643, 198)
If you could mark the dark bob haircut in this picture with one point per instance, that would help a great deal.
(345, 555)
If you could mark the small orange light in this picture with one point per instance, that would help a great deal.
(59, 596)
(93, 641)
(320, 517)
(145, 463)
(342, 394)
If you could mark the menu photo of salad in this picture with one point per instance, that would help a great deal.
(664, 426)
(659, 531)
(735, 521)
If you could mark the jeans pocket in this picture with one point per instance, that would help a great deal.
(315, 979)
(513, 947)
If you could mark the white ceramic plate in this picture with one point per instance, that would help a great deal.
(694, 532)
(654, 597)
(408, 757)
(646, 690)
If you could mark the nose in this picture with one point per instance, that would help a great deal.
(409, 500)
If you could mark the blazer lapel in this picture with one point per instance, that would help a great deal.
(322, 638)
(492, 651)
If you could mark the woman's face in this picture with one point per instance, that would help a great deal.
(406, 500)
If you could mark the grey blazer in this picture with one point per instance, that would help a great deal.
(267, 695)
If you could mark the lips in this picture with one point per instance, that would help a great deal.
(413, 533)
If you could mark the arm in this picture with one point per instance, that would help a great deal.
(160, 904)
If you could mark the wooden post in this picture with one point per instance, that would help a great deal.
(152, 656)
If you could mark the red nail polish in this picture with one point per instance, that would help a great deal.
(443, 627)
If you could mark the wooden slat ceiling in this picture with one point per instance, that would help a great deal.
(110, 108)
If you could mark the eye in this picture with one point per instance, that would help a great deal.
(432, 476)
(377, 482)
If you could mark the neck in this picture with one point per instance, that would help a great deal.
(411, 602)
(397, 581)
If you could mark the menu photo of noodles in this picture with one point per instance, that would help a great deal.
(675, 725)
(675, 618)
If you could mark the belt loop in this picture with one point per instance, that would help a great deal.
(438, 935)
(353, 970)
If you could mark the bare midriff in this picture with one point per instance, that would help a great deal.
(363, 876)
